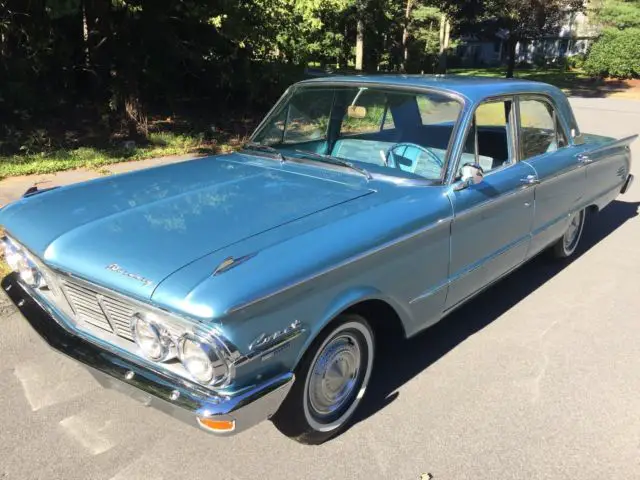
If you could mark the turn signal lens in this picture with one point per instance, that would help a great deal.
(219, 426)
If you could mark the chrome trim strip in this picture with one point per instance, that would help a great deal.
(430, 292)
(474, 266)
(342, 264)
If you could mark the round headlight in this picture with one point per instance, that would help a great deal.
(202, 360)
(13, 256)
(29, 273)
(152, 339)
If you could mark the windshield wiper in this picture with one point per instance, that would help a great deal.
(335, 161)
(264, 148)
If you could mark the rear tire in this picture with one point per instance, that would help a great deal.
(566, 245)
(331, 381)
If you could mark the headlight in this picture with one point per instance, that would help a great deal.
(203, 359)
(20, 262)
(152, 338)
(11, 254)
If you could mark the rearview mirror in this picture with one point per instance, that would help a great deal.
(470, 174)
(356, 111)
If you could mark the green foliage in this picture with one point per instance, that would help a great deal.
(576, 62)
(619, 14)
(615, 54)
(48, 161)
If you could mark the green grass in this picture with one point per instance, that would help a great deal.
(555, 76)
(4, 268)
(159, 145)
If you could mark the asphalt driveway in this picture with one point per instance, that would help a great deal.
(539, 378)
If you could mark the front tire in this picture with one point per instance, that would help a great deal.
(566, 246)
(331, 381)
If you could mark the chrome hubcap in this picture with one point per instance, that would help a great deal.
(571, 235)
(334, 376)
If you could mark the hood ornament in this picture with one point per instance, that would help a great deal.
(114, 267)
(231, 262)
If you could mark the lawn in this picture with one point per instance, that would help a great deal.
(555, 76)
(4, 268)
(159, 144)
(573, 82)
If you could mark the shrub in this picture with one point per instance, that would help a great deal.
(576, 61)
(615, 54)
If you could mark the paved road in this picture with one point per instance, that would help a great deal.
(537, 379)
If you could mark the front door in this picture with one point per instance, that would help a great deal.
(490, 233)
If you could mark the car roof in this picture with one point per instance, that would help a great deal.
(473, 88)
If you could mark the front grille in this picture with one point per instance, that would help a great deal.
(101, 311)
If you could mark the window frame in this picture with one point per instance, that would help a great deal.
(452, 95)
(511, 134)
(558, 120)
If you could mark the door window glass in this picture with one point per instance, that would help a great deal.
(487, 142)
(540, 131)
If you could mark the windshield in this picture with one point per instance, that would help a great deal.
(408, 132)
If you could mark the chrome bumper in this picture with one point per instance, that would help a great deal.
(174, 395)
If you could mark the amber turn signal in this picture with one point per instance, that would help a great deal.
(218, 426)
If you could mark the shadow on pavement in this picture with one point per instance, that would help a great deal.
(401, 360)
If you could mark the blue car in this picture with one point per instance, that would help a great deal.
(260, 284)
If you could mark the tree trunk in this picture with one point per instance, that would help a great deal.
(360, 43)
(511, 55)
(445, 32)
(405, 34)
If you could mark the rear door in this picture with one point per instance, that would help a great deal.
(560, 173)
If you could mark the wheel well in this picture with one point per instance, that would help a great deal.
(381, 316)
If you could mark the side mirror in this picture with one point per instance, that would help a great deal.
(470, 174)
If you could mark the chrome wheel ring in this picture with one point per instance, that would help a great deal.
(338, 376)
(574, 231)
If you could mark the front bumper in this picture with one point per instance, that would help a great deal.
(174, 395)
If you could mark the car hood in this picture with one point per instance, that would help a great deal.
(129, 232)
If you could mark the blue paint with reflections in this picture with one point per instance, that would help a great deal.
(321, 238)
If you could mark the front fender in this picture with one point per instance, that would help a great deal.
(345, 300)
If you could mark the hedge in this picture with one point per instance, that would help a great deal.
(615, 54)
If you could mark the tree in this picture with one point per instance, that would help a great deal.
(518, 19)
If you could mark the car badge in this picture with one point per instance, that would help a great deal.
(114, 267)
(264, 341)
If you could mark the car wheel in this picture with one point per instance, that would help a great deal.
(567, 244)
(331, 380)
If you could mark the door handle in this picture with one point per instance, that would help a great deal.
(530, 180)
(584, 158)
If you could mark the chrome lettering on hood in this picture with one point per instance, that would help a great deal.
(114, 267)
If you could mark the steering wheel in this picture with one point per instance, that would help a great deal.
(390, 153)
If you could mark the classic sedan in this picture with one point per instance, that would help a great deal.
(259, 284)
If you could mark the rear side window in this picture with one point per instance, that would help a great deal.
(540, 129)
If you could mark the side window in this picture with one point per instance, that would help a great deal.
(487, 142)
(540, 130)
(308, 116)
